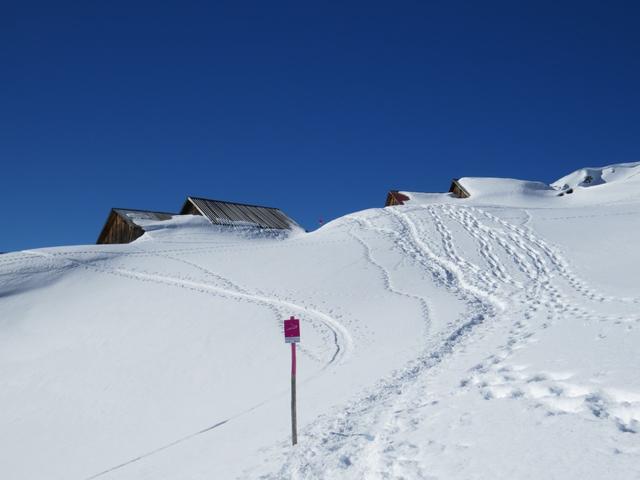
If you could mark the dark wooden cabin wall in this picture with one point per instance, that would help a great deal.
(119, 231)
(395, 198)
(458, 190)
(190, 209)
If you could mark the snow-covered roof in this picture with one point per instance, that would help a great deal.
(586, 186)
(134, 216)
(136, 221)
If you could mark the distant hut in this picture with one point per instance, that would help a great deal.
(237, 214)
(123, 225)
(458, 190)
(394, 197)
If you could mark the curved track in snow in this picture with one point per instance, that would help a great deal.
(343, 342)
(342, 338)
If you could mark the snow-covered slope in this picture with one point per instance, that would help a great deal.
(491, 337)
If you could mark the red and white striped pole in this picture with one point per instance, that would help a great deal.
(292, 336)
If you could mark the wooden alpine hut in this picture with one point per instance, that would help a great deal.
(124, 225)
(394, 197)
(238, 214)
(457, 189)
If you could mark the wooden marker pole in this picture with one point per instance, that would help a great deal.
(294, 426)
(292, 336)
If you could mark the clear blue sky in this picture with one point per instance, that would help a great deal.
(317, 108)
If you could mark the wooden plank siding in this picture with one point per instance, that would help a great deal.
(117, 230)
(458, 190)
(394, 197)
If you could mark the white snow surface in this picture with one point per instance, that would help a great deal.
(490, 337)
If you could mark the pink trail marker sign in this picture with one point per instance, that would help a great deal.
(292, 330)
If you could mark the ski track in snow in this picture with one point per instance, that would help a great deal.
(386, 276)
(217, 247)
(367, 427)
(559, 263)
(279, 312)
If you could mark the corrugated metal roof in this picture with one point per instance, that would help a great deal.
(239, 214)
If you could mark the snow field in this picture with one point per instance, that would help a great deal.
(491, 337)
